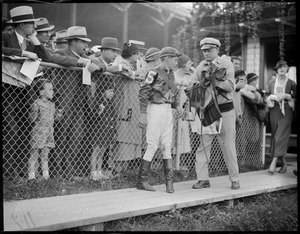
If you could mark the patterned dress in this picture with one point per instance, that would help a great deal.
(42, 115)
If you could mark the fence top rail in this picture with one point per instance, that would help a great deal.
(54, 65)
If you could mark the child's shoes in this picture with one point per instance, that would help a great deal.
(102, 175)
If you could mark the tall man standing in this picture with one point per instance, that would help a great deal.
(160, 91)
(224, 90)
(72, 98)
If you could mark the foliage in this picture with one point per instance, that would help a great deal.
(223, 14)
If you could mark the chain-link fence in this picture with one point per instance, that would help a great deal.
(94, 133)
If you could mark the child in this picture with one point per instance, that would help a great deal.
(43, 114)
(104, 127)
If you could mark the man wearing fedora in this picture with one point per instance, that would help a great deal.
(61, 42)
(72, 97)
(224, 94)
(109, 51)
(158, 95)
(6, 26)
(23, 41)
(43, 29)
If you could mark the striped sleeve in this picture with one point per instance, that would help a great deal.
(144, 95)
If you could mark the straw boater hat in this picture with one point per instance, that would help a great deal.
(109, 43)
(22, 14)
(43, 25)
(77, 32)
(60, 36)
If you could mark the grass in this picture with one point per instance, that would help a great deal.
(276, 211)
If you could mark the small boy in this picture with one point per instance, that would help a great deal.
(43, 114)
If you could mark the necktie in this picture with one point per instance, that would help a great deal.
(23, 45)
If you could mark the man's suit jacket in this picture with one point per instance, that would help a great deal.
(63, 60)
(11, 47)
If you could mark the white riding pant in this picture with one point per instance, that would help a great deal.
(159, 130)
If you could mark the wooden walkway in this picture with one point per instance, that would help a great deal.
(91, 210)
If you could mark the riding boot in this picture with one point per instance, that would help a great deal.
(143, 176)
(169, 175)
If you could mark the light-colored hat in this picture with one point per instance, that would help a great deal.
(152, 54)
(109, 43)
(78, 32)
(60, 36)
(96, 48)
(209, 42)
(139, 44)
(43, 25)
(22, 14)
(169, 51)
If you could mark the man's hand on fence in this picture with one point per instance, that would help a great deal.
(143, 120)
(30, 55)
(82, 62)
(93, 67)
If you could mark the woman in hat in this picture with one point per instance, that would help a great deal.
(129, 135)
(183, 77)
(281, 102)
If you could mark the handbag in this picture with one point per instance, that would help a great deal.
(211, 113)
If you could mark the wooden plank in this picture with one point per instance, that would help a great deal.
(177, 193)
(58, 213)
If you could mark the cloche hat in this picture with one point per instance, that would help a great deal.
(129, 49)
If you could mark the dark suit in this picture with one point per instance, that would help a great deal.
(71, 96)
(11, 47)
(16, 101)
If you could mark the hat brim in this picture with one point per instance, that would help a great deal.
(105, 47)
(60, 41)
(80, 38)
(205, 47)
(152, 58)
(46, 29)
(170, 55)
(22, 21)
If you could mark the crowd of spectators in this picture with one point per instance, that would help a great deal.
(114, 129)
